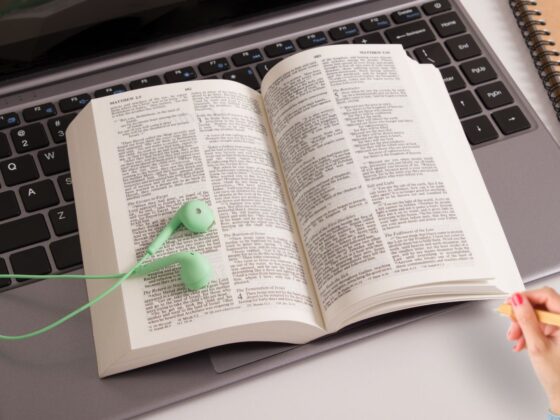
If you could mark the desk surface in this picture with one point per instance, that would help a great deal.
(458, 365)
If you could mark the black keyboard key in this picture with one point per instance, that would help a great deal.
(30, 137)
(9, 206)
(264, 68)
(54, 161)
(57, 127)
(39, 112)
(39, 195)
(19, 170)
(511, 120)
(245, 76)
(31, 261)
(375, 23)
(478, 71)
(108, 91)
(180, 75)
(432, 54)
(463, 47)
(410, 35)
(280, 48)
(5, 150)
(66, 252)
(448, 24)
(406, 15)
(74, 103)
(145, 82)
(434, 7)
(63, 220)
(4, 270)
(8, 120)
(479, 130)
(312, 40)
(247, 57)
(453, 79)
(374, 38)
(465, 104)
(344, 31)
(23, 232)
(494, 95)
(65, 185)
(213, 66)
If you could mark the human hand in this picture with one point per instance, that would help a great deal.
(542, 341)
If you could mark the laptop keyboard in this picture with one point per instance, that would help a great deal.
(38, 227)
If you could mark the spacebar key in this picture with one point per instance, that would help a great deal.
(23, 232)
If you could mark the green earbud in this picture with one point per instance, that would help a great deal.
(195, 215)
(195, 273)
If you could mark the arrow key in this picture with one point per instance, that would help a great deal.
(511, 120)
(465, 104)
(479, 130)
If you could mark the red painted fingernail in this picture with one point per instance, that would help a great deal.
(517, 299)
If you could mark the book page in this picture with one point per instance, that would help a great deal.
(208, 140)
(447, 132)
(378, 206)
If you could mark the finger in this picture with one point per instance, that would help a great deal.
(549, 330)
(526, 318)
(520, 345)
(546, 297)
(514, 332)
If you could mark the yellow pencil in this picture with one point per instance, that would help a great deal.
(543, 316)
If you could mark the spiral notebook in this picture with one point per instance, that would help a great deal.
(539, 21)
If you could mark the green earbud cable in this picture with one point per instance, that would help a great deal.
(81, 308)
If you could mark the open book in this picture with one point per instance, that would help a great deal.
(345, 190)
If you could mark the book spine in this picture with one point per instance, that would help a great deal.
(545, 53)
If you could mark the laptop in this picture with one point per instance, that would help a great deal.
(56, 55)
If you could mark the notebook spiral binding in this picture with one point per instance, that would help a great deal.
(546, 55)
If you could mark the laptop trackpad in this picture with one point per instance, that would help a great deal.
(232, 356)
